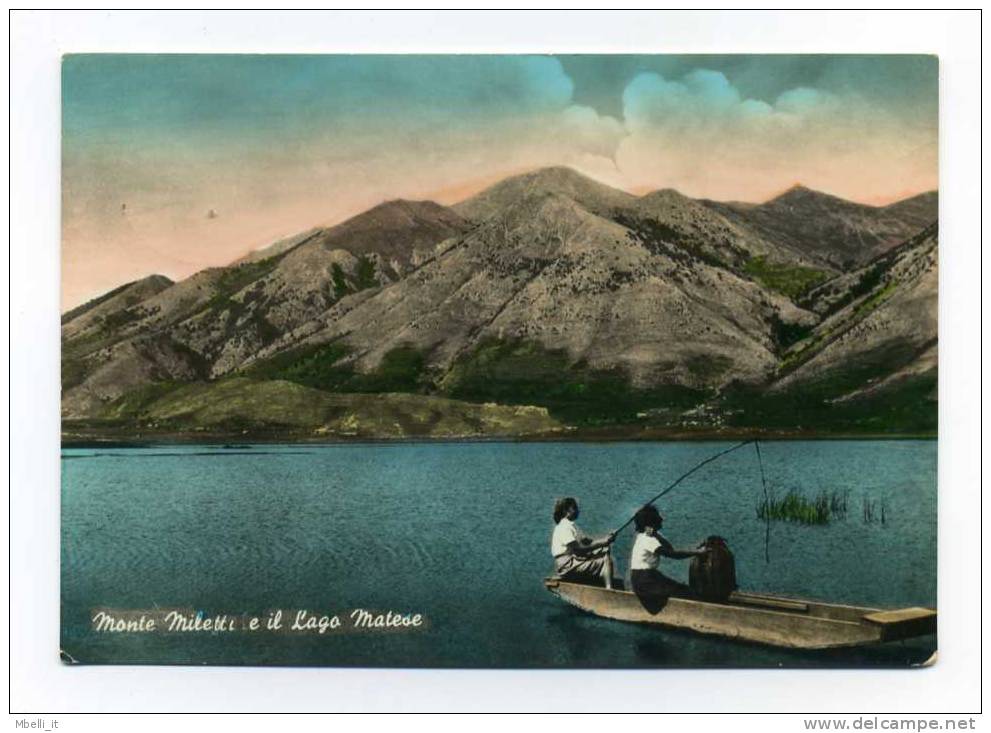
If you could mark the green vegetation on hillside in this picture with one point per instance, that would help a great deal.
(401, 370)
(281, 410)
(820, 339)
(340, 280)
(74, 372)
(137, 401)
(362, 279)
(708, 367)
(233, 279)
(664, 239)
(504, 372)
(89, 305)
(907, 406)
(523, 372)
(874, 301)
(789, 280)
(364, 274)
(660, 238)
(786, 334)
(868, 280)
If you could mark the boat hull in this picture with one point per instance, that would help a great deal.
(762, 619)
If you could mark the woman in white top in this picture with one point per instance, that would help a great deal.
(578, 558)
(652, 587)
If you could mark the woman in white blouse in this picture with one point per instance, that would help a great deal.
(651, 586)
(579, 558)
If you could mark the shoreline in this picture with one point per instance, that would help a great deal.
(238, 440)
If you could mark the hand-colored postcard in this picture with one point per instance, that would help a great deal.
(499, 361)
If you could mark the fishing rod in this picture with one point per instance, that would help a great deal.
(685, 475)
(710, 459)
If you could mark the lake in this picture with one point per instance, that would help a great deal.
(459, 532)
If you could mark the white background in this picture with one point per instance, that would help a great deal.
(41, 686)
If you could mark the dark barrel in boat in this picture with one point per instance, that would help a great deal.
(713, 575)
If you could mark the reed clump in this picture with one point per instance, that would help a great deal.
(873, 512)
(796, 507)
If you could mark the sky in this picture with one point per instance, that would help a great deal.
(173, 163)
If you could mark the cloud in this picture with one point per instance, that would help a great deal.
(698, 133)
(591, 132)
(701, 96)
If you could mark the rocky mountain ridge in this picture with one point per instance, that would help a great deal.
(660, 298)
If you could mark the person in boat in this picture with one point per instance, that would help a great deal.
(577, 557)
(650, 585)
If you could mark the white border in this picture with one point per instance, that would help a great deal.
(40, 684)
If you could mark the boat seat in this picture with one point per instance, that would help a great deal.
(783, 604)
(903, 623)
(554, 579)
(900, 615)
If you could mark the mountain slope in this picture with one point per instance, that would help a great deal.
(95, 313)
(881, 317)
(593, 196)
(674, 221)
(546, 289)
(831, 231)
(692, 224)
(549, 270)
(211, 322)
(870, 365)
(335, 265)
(401, 233)
(917, 210)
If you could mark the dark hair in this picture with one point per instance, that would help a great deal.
(647, 516)
(561, 507)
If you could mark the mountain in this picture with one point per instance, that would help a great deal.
(546, 289)
(206, 325)
(881, 316)
(920, 209)
(400, 233)
(835, 233)
(547, 269)
(723, 242)
(692, 224)
(591, 195)
(276, 248)
(871, 363)
(98, 310)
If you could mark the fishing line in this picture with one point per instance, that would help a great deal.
(767, 507)
(685, 475)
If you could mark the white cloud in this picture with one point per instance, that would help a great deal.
(701, 135)
(591, 132)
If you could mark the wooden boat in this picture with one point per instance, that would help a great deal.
(764, 619)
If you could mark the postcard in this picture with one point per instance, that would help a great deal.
(502, 361)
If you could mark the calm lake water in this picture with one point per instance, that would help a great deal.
(459, 532)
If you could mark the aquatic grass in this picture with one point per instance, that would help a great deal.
(873, 511)
(795, 507)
